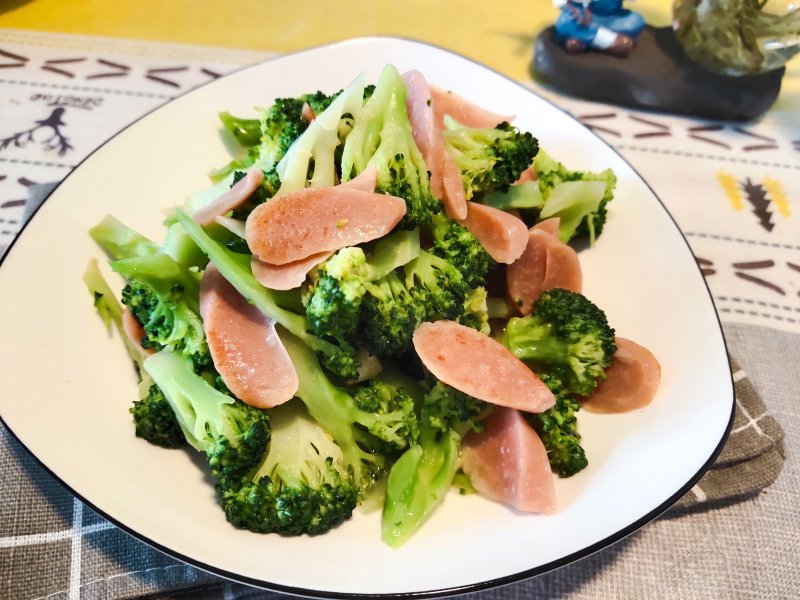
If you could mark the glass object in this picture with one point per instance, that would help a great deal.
(738, 37)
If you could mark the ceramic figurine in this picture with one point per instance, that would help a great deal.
(601, 25)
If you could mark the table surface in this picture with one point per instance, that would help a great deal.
(743, 550)
(499, 34)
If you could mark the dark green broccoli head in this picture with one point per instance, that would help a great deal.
(333, 300)
(566, 335)
(389, 316)
(386, 412)
(239, 444)
(490, 160)
(447, 409)
(461, 248)
(437, 285)
(163, 297)
(302, 485)
(274, 506)
(154, 420)
(558, 429)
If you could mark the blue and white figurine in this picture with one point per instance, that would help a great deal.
(601, 25)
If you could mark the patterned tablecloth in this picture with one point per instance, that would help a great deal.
(734, 190)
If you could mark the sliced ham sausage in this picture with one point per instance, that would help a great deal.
(463, 111)
(313, 220)
(424, 127)
(631, 380)
(364, 181)
(504, 236)
(507, 462)
(288, 276)
(244, 345)
(453, 197)
(477, 365)
(235, 196)
(547, 263)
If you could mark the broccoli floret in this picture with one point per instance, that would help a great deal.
(429, 288)
(163, 297)
(567, 336)
(325, 452)
(420, 478)
(389, 317)
(333, 299)
(365, 421)
(338, 358)
(303, 485)
(582, 209)
(154, 420)
(558, 429)
(462, 249)
(335, 293)
(476, 311)
(489, 159)
(232, 435)
(382, 137)
(436, 286)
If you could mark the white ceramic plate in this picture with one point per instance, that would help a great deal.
(68, 385)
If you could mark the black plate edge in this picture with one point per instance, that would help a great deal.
(445, 592)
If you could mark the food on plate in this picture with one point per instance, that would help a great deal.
(631, 381)
(379, 287)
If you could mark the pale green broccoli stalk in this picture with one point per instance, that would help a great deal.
(422, 476)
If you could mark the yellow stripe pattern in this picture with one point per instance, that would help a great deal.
(777, 195)
(731, 188)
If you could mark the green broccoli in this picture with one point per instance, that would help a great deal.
(558, 429)
(581, 208)
(489, 159)
(567, 336)
(461, 248)
(333, 298)
(420, 478)
(303, 485)
(382, 137)
(325, 452)
(338, 358)
(232, 435)
(436, 286)
(154, 420)
(476, 311)
(163, 297)
(246, 131)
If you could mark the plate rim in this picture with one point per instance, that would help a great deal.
(433, 593)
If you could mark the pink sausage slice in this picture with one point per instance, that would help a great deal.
(507, 463)
(364, 181)
(547, 263)
(631, 380)
(463, 111)
(244, 345)
(504, 236)
(477, 365)
(453, 197)
(424, 127)
(235, 196)
(314, 220)
(288, 276)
